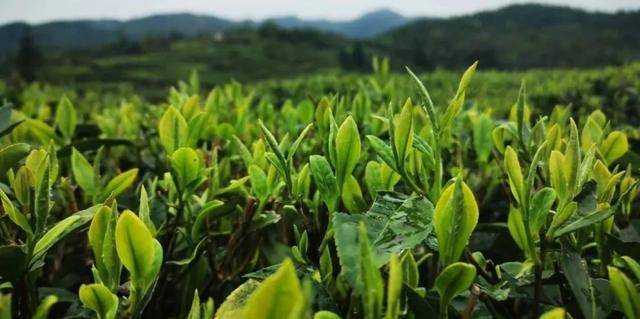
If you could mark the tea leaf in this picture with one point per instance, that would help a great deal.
(11, 155)
(371, 286)
(185, 166)
(66, 118)
(456, 215)
(394, 288)
(614, 146)
(403, 133)
(173, 130)
(118, 184)
(516, 180)
(98, 298)
(278, 296)
(325, 180)
(135, 247)
(83, 172)
(626, 292)
(60, 230)
(452, 281)
(347, 150)
(14, 214)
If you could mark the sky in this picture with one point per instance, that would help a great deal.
(38, 11)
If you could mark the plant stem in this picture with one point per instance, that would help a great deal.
(471, 303)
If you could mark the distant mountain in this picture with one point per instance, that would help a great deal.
(366, 26)
(82, 34)
(518, 37)
(91, 33)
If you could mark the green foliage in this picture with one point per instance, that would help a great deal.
(248, 195)
(452, 281)
(98, 298)
(279, 296)
(456, 215)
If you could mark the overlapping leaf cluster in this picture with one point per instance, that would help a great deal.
(371, 205)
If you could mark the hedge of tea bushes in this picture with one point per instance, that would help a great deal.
(405, 197)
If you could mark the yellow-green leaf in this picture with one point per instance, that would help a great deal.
(403, 133)
(278, 296)
(347, 150)
(614, 146)
(516, 179)
(626, 292)
(173, 130)
(452, 281)
(66, 118)
(100, 299)
(456, 215)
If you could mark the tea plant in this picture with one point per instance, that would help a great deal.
(386, 203)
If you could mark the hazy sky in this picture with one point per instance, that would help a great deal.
(36, 11)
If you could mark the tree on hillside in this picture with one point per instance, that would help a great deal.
(29, 58)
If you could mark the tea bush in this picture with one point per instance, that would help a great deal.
(282, 200)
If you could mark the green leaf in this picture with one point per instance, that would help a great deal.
(515, 223)
(514, 171)
(383, 150)
(278, 296)
(557, 174)
(298, 141)
(540, 207)
(394, 288)
(14, 214)
(185, 167)
(347, 150)
(11, 155)
(589, 219)
(42, 312)
(324, 314)
(259, 184)
(456, 215)
(136, 248)
(452, 281)
(144, 212)
(273, 144)
(100, 299)
(60, 230)
(102, 241)
(455, 105)
(173, 130)
(325, 181)
(614, 146)
(429, 108)
(352, 196)
(42, 204)
(212, 209)
(5, 306)
(83, 172)
(632, 265)
(576, 271)
(371, 287)
(466, 78)
(403, 133)
(482, 143)
(395, 223)
(194, 312)
(66, 118)
(572, 158)
(626, 293)
(118, 184)
(42, 132)
(556, 313)
(591, 133)
(233, 305)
